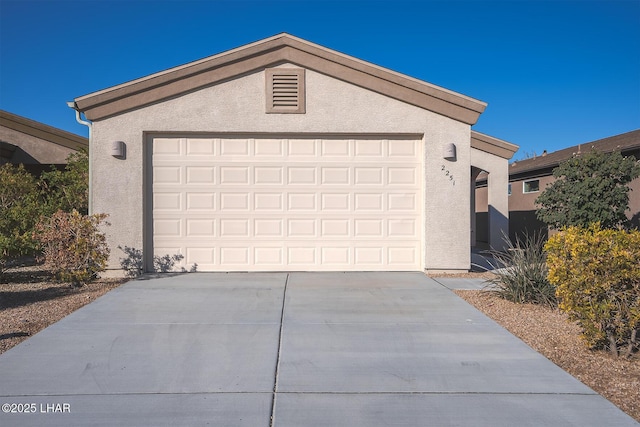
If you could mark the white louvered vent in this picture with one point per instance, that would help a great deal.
(285, 90)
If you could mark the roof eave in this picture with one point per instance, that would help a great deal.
(492, 145)
(43, 131)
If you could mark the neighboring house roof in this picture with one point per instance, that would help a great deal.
(545, 163)
(42, 131)
(282, 48)
(623, 142)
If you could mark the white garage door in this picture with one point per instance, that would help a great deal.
(288, 204)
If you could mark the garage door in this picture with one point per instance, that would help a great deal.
(288, 204)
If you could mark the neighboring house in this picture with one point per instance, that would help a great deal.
(529, 177)
(283, 155)
(35, 145)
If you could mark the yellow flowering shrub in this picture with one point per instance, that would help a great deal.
(596, 272)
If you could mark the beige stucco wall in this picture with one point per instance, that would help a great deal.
(332, 106)
(497, 199)
(34, 150)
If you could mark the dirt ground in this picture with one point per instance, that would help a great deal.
(30, 301)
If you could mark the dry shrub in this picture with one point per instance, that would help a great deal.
(74, 249)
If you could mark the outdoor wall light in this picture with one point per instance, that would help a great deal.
(449, 151)
(119, 149)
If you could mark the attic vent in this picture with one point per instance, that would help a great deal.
(285, 90)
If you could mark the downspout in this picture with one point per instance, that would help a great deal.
(73, 105)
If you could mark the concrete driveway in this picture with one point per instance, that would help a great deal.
(288, 349)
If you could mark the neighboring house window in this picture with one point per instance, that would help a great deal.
(532, 186)
(509, 189)
(285, 90)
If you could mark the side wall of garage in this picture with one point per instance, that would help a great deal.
(333, 107)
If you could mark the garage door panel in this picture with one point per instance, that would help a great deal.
(170, 228)
(402, 227)
(301, 256)
(268, 256)
(369, 227)
(234, 147)
(161, 251)
(301, 202)
(234, 201)
(268, 175)
(270, 204)
(201, 201)
(402, 255)
(166, 147)
(304, 148)
(201, 228)
(205, 258)
(369, 176)
(234, 227)
(301, 175)
(269, 148)
(234, 256)
(402, 202)
(302, 228)
(335, 201)
(402, 148)
(234, 175)
(369, 256)
(335, 148)
(368, 202)
(335, 227)
(335, 255)
(167, 201)
(402, 176)
(369, 148)
(200, 147)
(168, 175)
(205, 175)
(335, 176)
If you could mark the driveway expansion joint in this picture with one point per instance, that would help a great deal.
(277, 369)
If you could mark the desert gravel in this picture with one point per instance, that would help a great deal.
(30, 301)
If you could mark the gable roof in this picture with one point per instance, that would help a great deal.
(269, 52)
(624, 142)
(42, 131)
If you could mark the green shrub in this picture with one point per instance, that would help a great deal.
(589, 187)
(24, 198)
(597, 274)
(19, 209)
(74, 249)
(67, 189)
(522, 276)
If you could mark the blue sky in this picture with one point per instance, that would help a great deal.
(554, 73)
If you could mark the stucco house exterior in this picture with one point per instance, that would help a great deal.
(283, 155)
(529, 177)
(35, 145)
